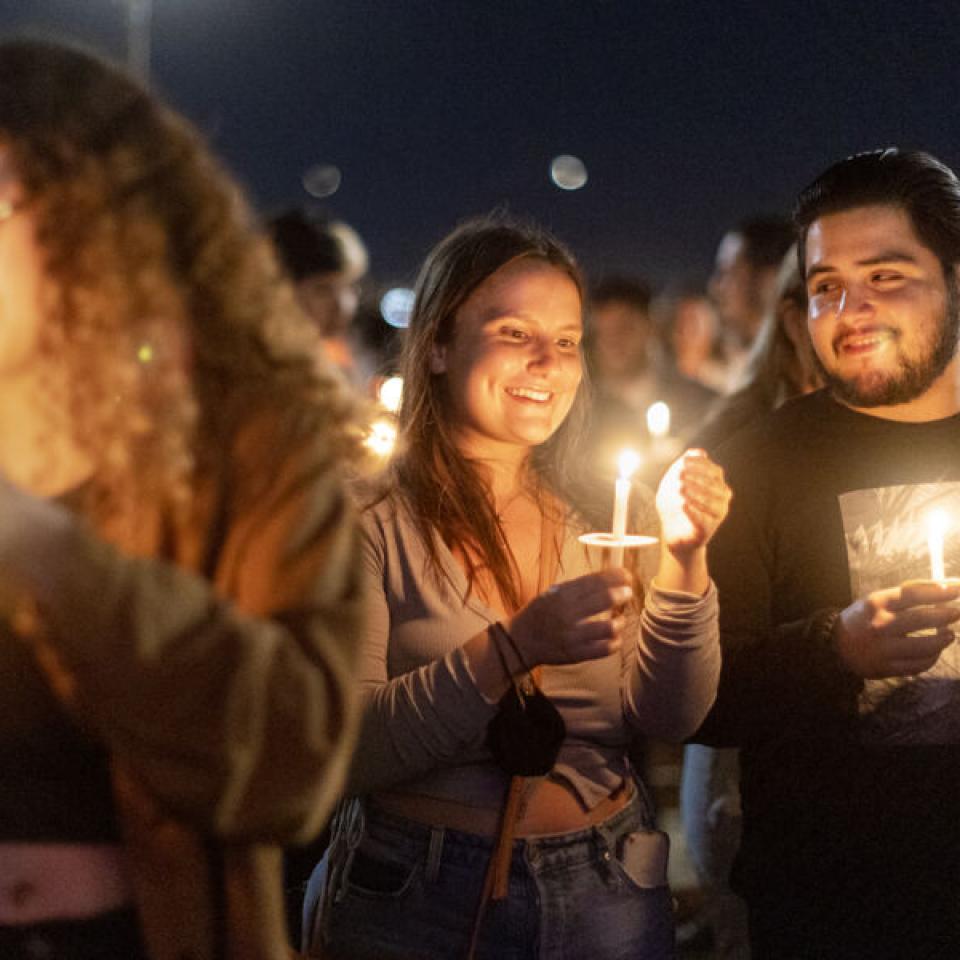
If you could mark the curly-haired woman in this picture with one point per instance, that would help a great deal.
(178, 583)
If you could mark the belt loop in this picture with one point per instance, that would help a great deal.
(434, 852)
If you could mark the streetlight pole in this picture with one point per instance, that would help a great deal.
(138, 37)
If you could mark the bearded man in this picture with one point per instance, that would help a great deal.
(841, 676)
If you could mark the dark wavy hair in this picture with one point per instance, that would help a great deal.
(920, 184)
(164, 301)
(445, 492)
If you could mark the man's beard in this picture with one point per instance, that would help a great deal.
(915, 377)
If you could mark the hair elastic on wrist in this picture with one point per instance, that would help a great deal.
(504, 632)
(494, 635)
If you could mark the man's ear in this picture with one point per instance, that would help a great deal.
(438, 358)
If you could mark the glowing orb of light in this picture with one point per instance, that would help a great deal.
(658, 419)
(391, 393)
(627, 463)
(382, 438)
(568, 172)
(145, 353)
(396, 306)
(322, 180)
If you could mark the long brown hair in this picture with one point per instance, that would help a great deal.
(163, 300)
(446, 493)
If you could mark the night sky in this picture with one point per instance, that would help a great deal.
(687, 114)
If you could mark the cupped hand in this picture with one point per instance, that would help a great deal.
(692, 501)
(562, 624)
(876, 636)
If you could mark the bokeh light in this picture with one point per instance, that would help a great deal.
(322, 180)
(382, 437)
(391, 393)
(396, 306)
(568, 172)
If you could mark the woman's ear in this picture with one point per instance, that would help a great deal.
(438, 358)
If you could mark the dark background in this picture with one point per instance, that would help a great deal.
(688, 114)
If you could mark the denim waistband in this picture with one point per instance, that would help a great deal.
(415, 841)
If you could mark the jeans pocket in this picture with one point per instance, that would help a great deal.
(642, 858)
(373, 876)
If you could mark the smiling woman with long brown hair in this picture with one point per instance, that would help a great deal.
(501, 679)
(178, 569)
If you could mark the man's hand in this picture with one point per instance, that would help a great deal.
(873, 638)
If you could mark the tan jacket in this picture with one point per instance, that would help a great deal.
(221, 683)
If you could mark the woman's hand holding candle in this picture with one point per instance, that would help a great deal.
(563, 624)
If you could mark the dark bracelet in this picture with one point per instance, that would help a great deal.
(494, 635)
(503, 632)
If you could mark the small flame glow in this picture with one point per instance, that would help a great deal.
(658, 419)
(391, 393)
(628, 462)
(382, 438)
(937, 522)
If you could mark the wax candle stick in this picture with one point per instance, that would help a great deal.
(936, 531)
(628, 462)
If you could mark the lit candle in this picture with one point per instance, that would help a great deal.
(658, 420)
(391, 393)
(937, 523)
(628, 462)
(382, 438)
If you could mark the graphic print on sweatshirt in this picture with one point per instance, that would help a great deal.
(886, 534)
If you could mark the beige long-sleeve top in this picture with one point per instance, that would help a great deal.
(214, 664)
(424, 720)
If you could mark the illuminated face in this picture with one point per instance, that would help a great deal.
(512, 366)
(882, 316)
(21, 275)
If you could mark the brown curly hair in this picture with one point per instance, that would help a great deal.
(165, 301)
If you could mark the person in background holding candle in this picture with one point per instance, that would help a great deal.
(841, 680)
(630, 373)
(477, 579)
(179, 588)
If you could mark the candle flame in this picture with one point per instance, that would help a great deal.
(628, 462)
(937, 522)
(658, 419)
(382, 438)
(391, 393)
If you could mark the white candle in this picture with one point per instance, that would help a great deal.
(628, 462)
(937, 523)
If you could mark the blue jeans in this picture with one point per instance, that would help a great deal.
(710, 810)
(399, 890)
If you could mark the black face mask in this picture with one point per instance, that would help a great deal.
(526, 734)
